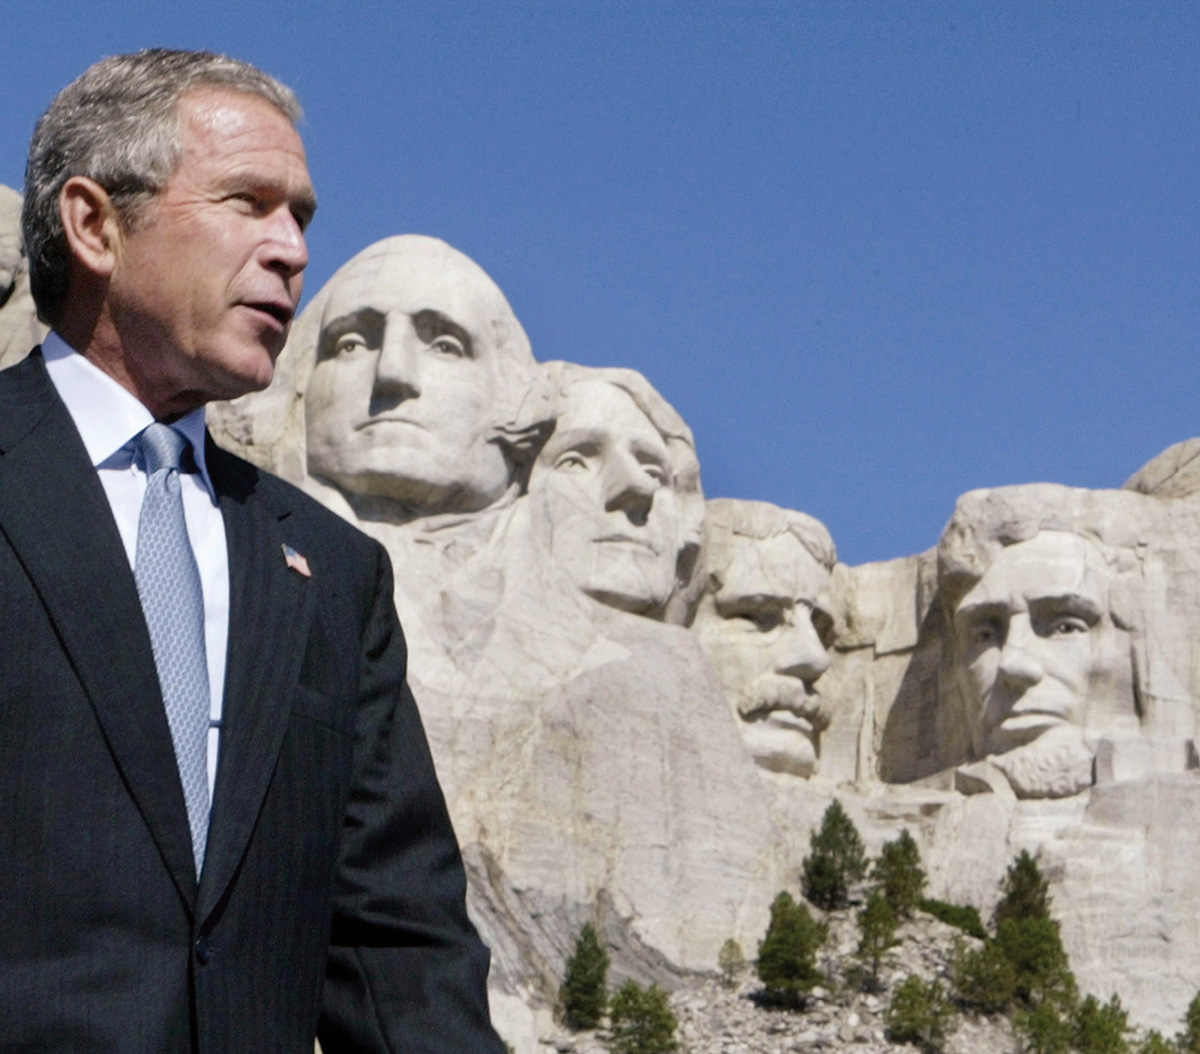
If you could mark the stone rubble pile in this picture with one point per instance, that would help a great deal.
(718, 1018)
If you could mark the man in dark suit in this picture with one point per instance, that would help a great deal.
(219, 822)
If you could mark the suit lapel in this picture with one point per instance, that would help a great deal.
(269, 612)
(56, 516)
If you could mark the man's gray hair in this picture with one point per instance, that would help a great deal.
(118, 124)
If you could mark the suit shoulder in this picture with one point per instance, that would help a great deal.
(244, 480)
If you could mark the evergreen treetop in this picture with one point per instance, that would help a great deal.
(642, 1021)
(1025, 894)
(899, 875)
(787, 955)
(584, 992)
(837, 858)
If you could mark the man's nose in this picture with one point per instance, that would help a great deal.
(286, 246)
(397, 372)
(1019, 666)
(629, 487)
(800, 651)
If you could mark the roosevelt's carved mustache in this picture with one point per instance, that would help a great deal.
(772, 692)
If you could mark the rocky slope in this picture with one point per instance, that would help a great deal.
(720, 1018)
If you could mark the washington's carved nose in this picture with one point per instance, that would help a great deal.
(397, 374)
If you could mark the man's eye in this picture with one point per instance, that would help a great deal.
(985, 633)
(656, 472)
(1067, 625)
(350, 342)
(251, 201)
(761, 620)
(570, 461)
(823, 625)
(449, 345)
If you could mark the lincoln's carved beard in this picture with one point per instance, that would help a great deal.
(1057, 764)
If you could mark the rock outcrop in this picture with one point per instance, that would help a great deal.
(641, 705)
(19, 328)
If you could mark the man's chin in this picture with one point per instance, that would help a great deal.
(782, 746)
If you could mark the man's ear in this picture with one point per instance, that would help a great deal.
(91, 224)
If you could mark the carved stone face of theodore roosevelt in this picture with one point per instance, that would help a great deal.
(765, 624)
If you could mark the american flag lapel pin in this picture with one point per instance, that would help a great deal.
(296, 561)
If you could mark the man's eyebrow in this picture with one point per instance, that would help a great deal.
(582, 434)
(659, 453)
(1067, 602)
(980, 609)
(366, 321)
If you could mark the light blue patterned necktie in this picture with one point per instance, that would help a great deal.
(168, 584)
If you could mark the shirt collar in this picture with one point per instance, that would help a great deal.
(108, 417)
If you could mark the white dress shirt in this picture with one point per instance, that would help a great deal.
(109, 420)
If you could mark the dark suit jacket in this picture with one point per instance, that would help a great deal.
(332, 888)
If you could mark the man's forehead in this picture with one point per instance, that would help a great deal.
(606, 411)
(778, 565)
(1053, 564)
(408, 283)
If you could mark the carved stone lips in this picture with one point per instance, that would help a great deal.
(388, 419)
(785, 720)
(626, 539)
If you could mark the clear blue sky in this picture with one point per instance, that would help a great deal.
(877, 254)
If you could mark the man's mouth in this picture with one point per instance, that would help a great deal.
(279, 311)
(625, 539)
(388, 419)
(785, 702)
(786, 721)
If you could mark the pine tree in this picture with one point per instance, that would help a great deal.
(1025, 893)
(877, 923)
(899, 875)
(641, 1021)
(1188, 1040)
(836, 859)
(1101, 1028)
(731, 961)
(1033, 946)
(584, 992)
(1044, 1030)
(983, 978)
(787, 955)
(1154, 1043)
(919, 1013)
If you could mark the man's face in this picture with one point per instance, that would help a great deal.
(204, 288)
(603, 490)
(402, 400)
(1029, 636)
(764, 625)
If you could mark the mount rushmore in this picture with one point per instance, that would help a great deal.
(641, 702)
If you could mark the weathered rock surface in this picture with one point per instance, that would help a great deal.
(720, 1018)
(1175, 473)
(640, 707)
(19, 327)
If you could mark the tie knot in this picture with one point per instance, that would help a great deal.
(162, 447)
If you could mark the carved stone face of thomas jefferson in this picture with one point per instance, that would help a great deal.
(604, 493)
(765, 623)
(1030, 635)
(411, 362)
